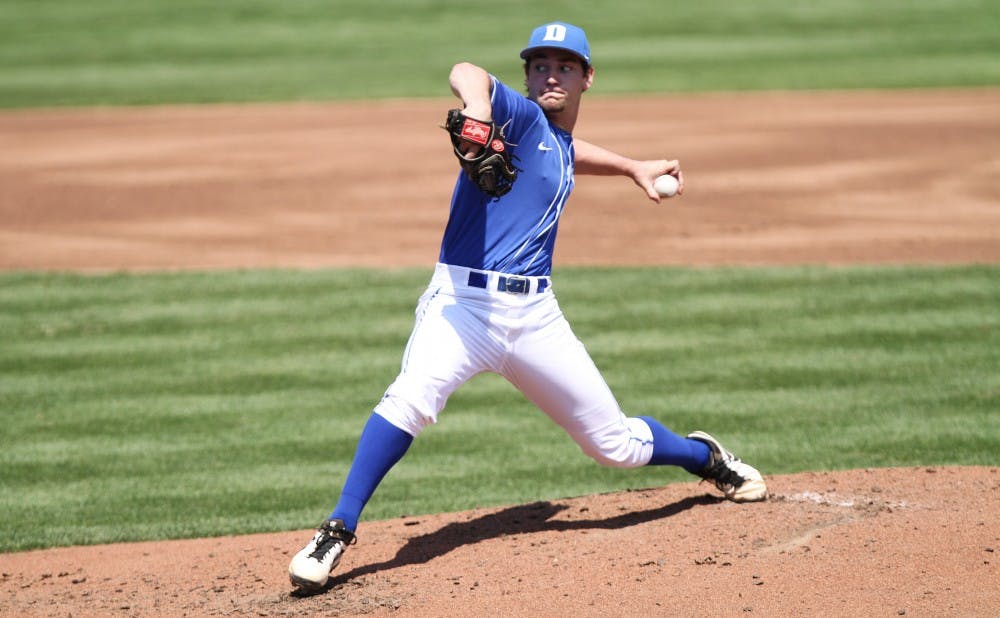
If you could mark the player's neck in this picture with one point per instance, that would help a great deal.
(564, 119)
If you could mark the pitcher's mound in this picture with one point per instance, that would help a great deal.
(882, 542)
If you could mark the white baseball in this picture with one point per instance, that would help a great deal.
(666, 185)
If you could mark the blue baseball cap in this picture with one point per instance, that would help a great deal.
(559, 35)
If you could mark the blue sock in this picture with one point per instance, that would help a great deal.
(381, 445)
(670, 449)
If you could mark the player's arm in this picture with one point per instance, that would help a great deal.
(472, 85)
(597, 161)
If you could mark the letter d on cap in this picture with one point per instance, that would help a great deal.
(555, 32)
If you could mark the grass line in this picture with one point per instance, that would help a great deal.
(115, 52)
(190, 404)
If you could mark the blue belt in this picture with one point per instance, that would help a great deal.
(513, 284)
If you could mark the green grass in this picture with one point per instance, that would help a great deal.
(192, 404)
(114, 52)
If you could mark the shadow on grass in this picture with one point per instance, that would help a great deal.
(521, 519)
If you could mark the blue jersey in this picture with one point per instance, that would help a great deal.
(516, 233)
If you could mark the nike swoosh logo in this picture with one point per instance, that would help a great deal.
(543, 147)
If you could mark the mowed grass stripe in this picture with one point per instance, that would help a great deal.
(112, 52)
(185, 404)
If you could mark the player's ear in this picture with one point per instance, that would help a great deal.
(588, 77)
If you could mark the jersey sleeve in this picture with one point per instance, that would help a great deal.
(513, 110)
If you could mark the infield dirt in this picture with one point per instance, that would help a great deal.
(772, 178)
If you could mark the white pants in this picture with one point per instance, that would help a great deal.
(462, 330)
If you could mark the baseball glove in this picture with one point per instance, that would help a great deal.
(489, 166)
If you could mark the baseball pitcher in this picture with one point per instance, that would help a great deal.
(491, 302)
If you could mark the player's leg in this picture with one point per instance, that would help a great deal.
(558, 375)
(572, 392)
(436, 361)
(553, 369)
(379, 448)
(381, 445)
(439, 357)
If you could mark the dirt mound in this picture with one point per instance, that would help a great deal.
(885, 542)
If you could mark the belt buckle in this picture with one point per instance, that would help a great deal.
(515, 284)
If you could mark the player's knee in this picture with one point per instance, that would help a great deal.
(412, 403)
(627, 445)
(403, 414)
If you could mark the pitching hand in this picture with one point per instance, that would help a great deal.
(648, 171)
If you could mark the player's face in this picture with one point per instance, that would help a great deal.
(555, 80)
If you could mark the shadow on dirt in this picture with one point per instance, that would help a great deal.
(521, 519)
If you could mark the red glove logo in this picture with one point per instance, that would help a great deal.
(475, 131)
